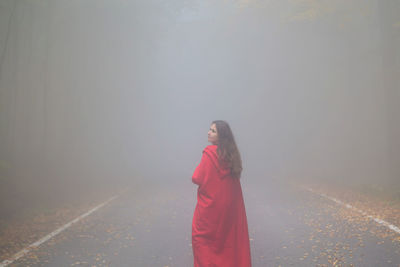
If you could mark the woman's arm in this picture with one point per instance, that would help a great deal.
(201, 170)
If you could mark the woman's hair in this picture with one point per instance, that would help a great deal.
(228, 153)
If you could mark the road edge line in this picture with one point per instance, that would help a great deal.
(380, 221)
(24, 251)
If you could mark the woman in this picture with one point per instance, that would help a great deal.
(220, 235)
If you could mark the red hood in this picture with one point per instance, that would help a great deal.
(211, 151)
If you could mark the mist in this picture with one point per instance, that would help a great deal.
(108, 94)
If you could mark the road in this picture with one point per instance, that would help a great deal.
(151, 226)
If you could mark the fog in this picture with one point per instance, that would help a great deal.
(113, 93)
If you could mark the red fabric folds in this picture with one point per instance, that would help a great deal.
(220, 235)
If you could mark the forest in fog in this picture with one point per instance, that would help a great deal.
(103, 94)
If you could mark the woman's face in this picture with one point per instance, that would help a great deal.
(213, 135)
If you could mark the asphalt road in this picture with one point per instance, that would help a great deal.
(288, 226)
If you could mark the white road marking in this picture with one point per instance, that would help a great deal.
(52, 234)
(382, 222)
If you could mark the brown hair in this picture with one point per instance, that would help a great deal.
(228, 153)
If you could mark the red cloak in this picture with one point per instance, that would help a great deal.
(220, 236)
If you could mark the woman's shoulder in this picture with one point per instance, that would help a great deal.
(211, 151)
(211, 148)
